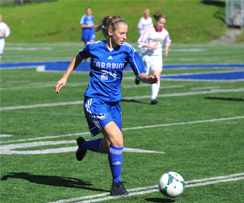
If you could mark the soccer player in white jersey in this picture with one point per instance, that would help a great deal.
(145, 22)
(101, 102)
(150, 44)
(4, 32)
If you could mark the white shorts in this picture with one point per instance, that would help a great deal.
(2, 43)
(152, 63)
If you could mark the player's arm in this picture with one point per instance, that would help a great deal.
(143, 39)
(139, 25)
(166, 50)
(7, 32)
(167, 42)
(148, 79)
(72, 66)
(87, 26)
(138, 67)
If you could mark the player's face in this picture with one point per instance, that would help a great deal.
(119, 35)
(160, 23)
(88, 11)
(146, 15)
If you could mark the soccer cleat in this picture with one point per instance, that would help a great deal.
(154, 101)
(137, 81)
(118, 189)
(80, 153)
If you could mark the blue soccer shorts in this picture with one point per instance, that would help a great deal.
(88, 36)
(99, 113)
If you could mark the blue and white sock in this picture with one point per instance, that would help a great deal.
(93, 145)
(115, 162)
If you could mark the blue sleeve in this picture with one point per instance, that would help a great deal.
(85, 53)
(136, 63)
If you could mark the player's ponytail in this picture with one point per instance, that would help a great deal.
(108, 22)
(158, 15)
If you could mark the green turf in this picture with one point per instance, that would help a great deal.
(200, 150)
(194, 21)
(178, 53)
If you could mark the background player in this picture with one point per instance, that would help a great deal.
(4, 32)
(101, 102)
(150, 44)
(145, 22)
(87, 25)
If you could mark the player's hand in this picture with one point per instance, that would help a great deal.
(154, 47)
(166, 52)
(153, 79)
(60, 84)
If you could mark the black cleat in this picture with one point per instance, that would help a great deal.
(118, 189)
(80, 153)
(137, 81)
(154, 101)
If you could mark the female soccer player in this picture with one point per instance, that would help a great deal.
(87, 25)
(150, 44)
(101, 102)
(4, 32)
(145, 22)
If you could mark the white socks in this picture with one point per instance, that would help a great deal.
(155, 90)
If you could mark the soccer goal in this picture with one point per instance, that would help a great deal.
(234, 15)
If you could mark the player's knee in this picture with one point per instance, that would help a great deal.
(119, 142)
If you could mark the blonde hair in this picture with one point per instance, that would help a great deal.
(109, 22)
(147, 10)
(158, 15)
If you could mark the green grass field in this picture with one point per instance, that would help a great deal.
(195, 21)
(198, 125)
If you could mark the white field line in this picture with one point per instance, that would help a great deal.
(152, 189)
(54, 113)
(43, 85)
(136, 97)
(132, 128)
(40, 105)
(13, 82)
(188, 93)
(202, 73)
(162, 87)
(202, 88)
(200, 80)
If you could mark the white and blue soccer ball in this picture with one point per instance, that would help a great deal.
(171, 184)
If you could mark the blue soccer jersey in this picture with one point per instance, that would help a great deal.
(87, 33)
(107, 69)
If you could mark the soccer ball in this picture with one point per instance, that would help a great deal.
(171, 184)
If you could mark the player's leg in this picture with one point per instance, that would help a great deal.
(2, 44)
(95, 112)
(115, 145)
(98, 115)
(156, 68)
(146, 62)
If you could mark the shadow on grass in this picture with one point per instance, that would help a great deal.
(226, 99)
(159, 200)
(219, 14)
(214, 3)
(135, 101)
(53, 181)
